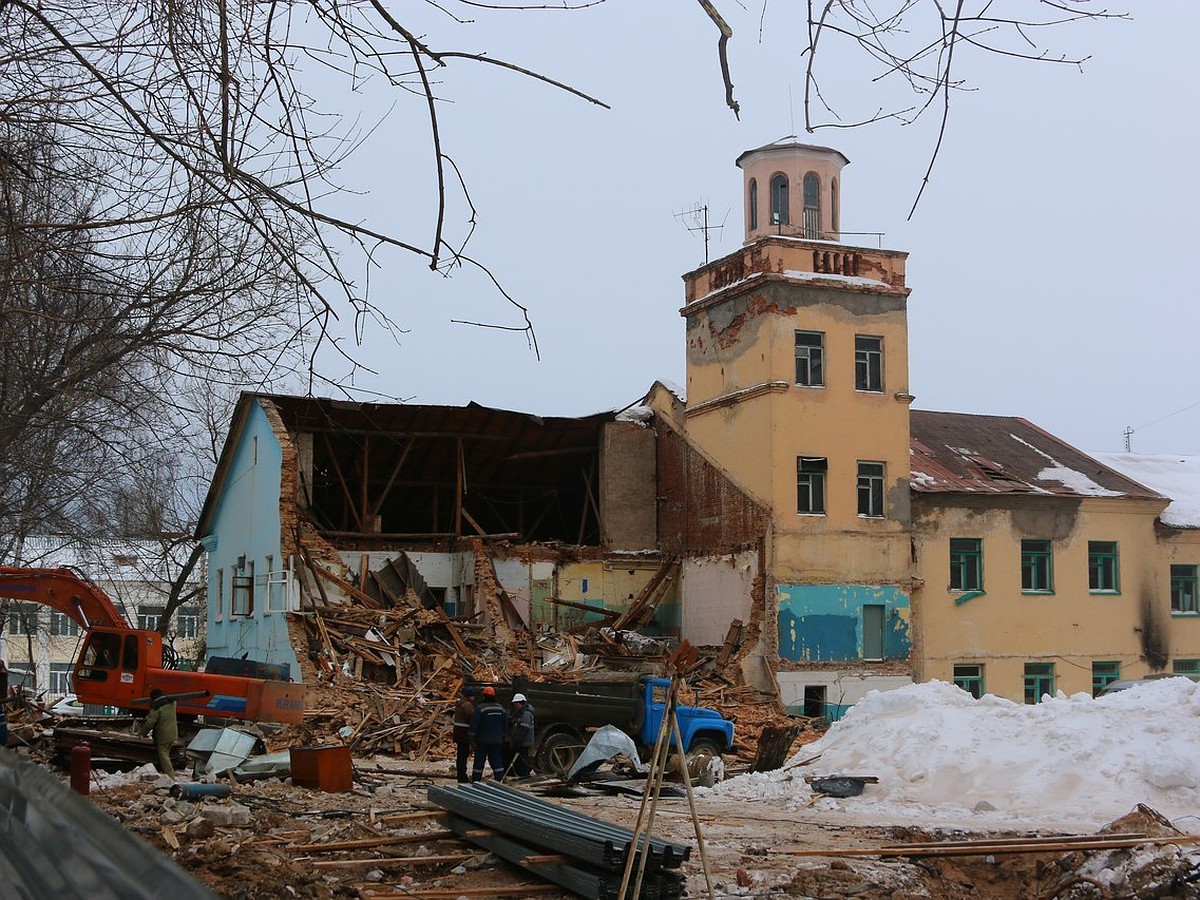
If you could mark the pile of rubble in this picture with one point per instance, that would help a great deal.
(384, 663)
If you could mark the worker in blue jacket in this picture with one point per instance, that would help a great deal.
(488, 724)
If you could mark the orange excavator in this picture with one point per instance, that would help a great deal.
(119, 665)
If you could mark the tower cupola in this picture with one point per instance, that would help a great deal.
(792, 189)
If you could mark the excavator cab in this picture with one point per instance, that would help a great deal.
(111, 669)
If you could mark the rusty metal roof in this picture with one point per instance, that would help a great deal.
(966, 453)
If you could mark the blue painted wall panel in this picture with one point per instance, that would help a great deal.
(245, 523)
(824, 622)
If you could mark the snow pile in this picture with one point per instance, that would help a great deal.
(939, 754)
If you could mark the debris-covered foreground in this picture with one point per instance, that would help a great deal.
(385, 839)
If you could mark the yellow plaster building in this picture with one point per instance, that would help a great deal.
(906, 545)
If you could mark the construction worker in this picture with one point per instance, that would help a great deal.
(488, 723)
(463, 710)
(161, 720)
(520, 737)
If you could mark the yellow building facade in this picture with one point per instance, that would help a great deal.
(906, 545)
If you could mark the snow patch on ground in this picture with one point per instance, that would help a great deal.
(942, 757)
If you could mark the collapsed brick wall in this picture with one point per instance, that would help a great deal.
(701, 510)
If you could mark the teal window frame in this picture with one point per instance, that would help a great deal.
(1104, 569)
(870, 489)
(966, 564)
(810, 358)
(868, 363)
(22, 618)
(1185, 667)
(1039, 681)
(1037, 566)
(810, 485)
(1184, 583)
(969, 677)
(1104, 673)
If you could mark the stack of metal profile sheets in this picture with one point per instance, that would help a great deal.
(580, 852)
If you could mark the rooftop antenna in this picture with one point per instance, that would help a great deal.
(791, 108)
(696, 219)
(1128, 435)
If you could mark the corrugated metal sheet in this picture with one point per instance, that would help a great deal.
(964, 453)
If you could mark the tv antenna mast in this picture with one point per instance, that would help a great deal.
(696, 219)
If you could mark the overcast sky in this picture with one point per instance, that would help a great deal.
(1052, 259)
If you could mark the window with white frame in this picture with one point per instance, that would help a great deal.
(870, 489)
(810, 358)
(868, 363)
(810, 484)
(148, 617)
(277, 591)
(62, 626)
(60, 678)
(21, 676)
(22, 618)
(187, 622)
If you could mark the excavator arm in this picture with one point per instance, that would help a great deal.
(63, 590)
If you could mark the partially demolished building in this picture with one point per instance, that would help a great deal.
(791, 512)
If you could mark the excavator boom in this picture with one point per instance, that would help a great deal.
(63, 590)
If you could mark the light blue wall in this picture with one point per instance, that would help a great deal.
(245, 522)
(823, 622)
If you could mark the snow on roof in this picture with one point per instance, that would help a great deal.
(942, 756)
(1174, 476)
(965, 452)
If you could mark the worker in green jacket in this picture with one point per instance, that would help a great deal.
(161, 720)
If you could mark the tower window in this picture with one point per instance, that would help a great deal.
(868, 363)
(810, 358)
(812, 207)
(835, 217)
(870, 489)
(753, 203)
(810, 484)
(779, 200)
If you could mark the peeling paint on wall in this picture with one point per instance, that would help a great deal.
(838, 622)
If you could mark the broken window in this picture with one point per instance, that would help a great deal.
(1036, 567)
(970, 679)
(868, 363)
(779, 200)
(219, 596)
(753, 190)
(1183, 589)
(870, 489)
(966, 564)
(1102, 567)
(810, 484)
(1185, 667)
(814, 701)
(1039, 681)
(1104, 674)
(242, 600)
(812, 207)
(810, 358)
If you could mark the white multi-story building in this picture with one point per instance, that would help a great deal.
(39, 644)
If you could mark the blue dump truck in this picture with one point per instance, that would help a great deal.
(567, 714)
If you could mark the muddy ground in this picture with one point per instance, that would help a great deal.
(260, 844)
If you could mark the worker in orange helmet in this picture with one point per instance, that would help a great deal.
(488, 724)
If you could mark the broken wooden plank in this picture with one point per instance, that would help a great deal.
(365, 843)
(390, 862)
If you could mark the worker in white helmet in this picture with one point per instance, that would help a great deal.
(520, 737)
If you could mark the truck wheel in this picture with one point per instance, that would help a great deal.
(704, 757)
(558, 753)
